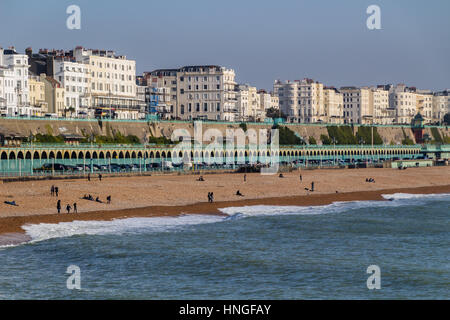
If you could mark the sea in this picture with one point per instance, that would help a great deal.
(397, 248)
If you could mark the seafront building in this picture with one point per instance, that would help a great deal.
(198, 92)
(441, 105)
(54, 96)
(404, 100)
(112, 83)
(74, 77)
(333, 105)
(15, 93)
(38, 103)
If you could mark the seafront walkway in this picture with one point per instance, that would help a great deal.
(45, 159)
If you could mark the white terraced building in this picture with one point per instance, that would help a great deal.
(75, 79)
(14, 99)
(112, 83)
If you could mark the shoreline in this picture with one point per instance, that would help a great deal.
(11, 231)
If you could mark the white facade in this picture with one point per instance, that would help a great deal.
(441, 105)
(302, 101)
(357, 107)
(333, 105)
(112, 82)
(382, 114)
(404, 100)
(75, 79)
(19, 103)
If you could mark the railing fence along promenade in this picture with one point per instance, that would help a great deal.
(218, 122)
(25, 160)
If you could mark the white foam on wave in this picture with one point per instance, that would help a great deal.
(392, 200)
(46, 231)
(407, 196)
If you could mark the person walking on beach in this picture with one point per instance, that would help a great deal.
(301, 179)
(68, 207)
(209, 196)
(56, 191)
(245, 177)
(312, 186)
(108, 199)
(75, 210)
(58, 206)
(212, 196)
(89, 177)
(52, 190)
(100, 176)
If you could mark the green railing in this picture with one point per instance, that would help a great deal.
(217, 122)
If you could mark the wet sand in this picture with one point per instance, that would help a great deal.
(171, 195)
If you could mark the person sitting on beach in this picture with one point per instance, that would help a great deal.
(68, 207)
(238, 193)
(90, 198)
(367, 180)
(281, 175)
(98, 200)
(108, 199)
(12, 203)
(200, 178)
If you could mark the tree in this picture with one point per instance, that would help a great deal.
(326, 140)
(275, 113)
(312, 140)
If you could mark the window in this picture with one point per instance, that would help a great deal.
(182, 109)
(205, 107)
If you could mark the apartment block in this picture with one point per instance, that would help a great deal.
(15, 91)
(357, 105)
(112, 83)
(404, 100)
(333, 105)
(198, 92)
(441, 105)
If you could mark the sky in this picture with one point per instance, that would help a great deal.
(326, 40)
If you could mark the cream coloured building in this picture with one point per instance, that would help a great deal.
(424, 105)
(249, 104)
(379, 100)
(302, 101)
(333, 105)
(112, 83)
(199, 92)
(404, 100)
(54, 95)
(37, 96)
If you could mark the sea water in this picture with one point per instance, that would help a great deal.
(257, 252)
